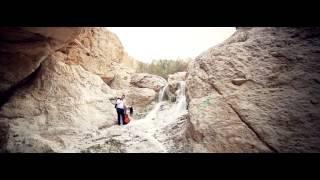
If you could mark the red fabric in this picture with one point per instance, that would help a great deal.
(126, 119)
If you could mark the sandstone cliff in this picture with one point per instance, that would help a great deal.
(98, 51)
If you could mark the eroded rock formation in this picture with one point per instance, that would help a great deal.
(58, 82)
(23, 49)
(98, 51)
(63, 104)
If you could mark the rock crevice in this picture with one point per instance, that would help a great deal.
(253, 130)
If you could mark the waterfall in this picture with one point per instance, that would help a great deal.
(181, 99)
(176, 109)
(161, 93)
(153, 113)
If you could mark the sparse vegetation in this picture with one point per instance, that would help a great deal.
(163, 67)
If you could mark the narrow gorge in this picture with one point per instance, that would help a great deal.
(258, 91)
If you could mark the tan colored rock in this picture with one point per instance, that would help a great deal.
(63, 104)
(272, 111)
(122, 77)
(66, 100)
(217, 128)
(23, 49)
(144, 80)
(100, 51)
(139, 98)
(96, 49)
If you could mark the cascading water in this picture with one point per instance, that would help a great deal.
(181, 106)
(177, 109)
(164, 112)
(153, 113)
(161, 93)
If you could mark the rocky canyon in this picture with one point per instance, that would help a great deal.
(258, 91)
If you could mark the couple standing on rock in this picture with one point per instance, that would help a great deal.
(121, 107)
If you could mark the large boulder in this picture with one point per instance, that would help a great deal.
(138, 98)
(60, 106)
(23, 49)
(257, 92)
(145, 80)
